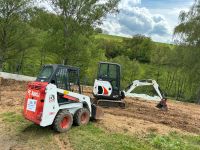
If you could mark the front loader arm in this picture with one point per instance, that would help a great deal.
(81, 98)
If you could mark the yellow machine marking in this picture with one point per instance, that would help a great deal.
(66, 92)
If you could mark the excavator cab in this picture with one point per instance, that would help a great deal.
(107, 84)
(110, 73)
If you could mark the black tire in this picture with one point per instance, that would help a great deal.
(63, 121)
(82, 117)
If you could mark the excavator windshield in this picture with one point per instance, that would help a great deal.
(110, 72)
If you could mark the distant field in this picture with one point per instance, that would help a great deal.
(120, 39)
(109, 37)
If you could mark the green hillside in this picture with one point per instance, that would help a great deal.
(31, 37)
(109, 37)
(120, 39)
(151, 62)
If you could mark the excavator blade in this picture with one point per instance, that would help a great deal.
(111, 103)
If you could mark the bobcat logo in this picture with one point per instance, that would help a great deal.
(33, 93)
(51, 99)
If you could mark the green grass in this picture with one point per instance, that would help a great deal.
(28, 135)
(12, 117)
(91, 137)
(109, 37)
(174, 141)
(165, 44)
(120, 39)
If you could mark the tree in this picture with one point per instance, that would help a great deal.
(49, 26)
(12, 27)
(188, 36)
(130, 70)
(79, 17)
(159, 57)
(188, 31)
(112, 48)
(139, 48)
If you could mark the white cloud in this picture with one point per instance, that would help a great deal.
(156, 22)
(137, 20)
(112, 27)
(126, 4)
(133, 19)
(171, 15)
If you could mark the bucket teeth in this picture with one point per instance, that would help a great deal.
(162, 105)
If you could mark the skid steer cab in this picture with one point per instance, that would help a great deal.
(55, 99)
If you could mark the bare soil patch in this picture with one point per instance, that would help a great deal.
(140, 116)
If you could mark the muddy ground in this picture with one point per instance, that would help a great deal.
(140, 117)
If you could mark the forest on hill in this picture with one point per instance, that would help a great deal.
(31, 36)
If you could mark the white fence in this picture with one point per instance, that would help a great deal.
(17, 77)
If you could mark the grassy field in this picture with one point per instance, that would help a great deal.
(120, 39)
(28, 135)
(109, 37)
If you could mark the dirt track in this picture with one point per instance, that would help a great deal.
(142, 116)
(139, 117)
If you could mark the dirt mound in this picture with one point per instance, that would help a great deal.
(132, 125)
(12, 93)
(180, 116)
(13, 85)
(12, 98)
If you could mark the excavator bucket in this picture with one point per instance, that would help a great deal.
(111, 103)
(162, 105)
(97, 112)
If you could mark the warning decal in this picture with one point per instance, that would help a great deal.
(31, 105)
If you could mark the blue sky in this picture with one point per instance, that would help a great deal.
(154, 18)
(165, 3)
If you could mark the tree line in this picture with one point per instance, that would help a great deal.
(31, 36)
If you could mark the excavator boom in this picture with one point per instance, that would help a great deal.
(161, 98)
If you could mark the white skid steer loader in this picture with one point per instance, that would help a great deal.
(55, 99)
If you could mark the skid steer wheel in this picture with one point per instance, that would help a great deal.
(82, 117)
(63, 121)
